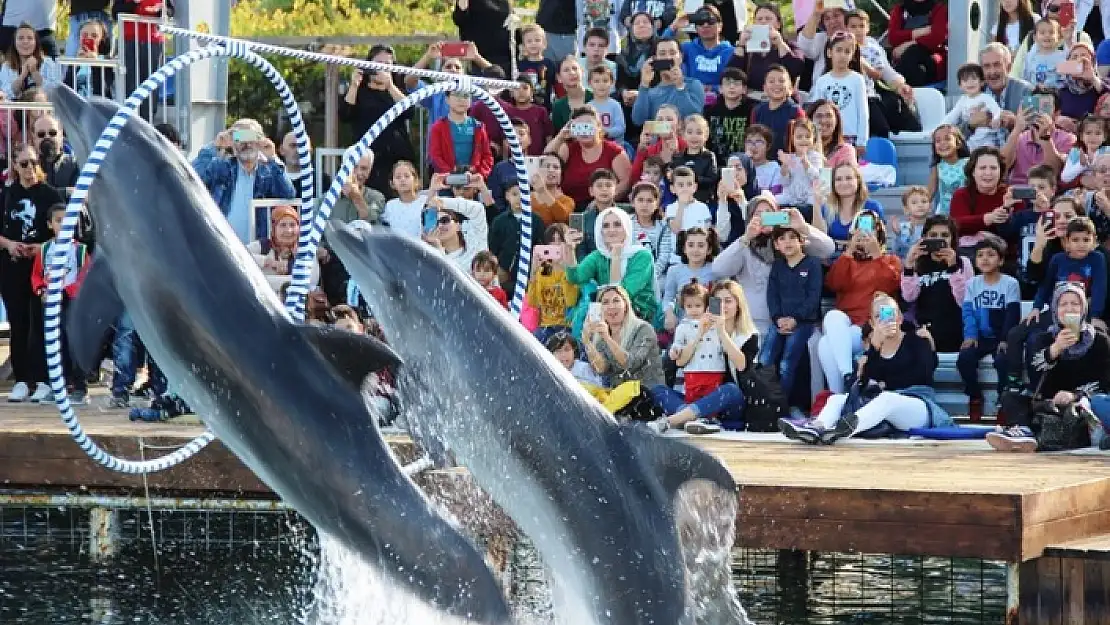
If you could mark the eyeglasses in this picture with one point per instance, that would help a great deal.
(1053, 8)
(42, 134)
(444, 220)
(26, 164)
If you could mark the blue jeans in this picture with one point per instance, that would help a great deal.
(125, 355)
(727, 399)
(968, 365)
(785, 352)
(1100, 405)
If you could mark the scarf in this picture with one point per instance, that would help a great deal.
(1077, 86)
(761, 246)
(631, 244)
(1086, 330)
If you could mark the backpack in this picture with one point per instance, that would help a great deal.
(764, 401)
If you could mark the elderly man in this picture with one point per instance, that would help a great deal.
(1006, 90)
(236, 172)
(359, 201)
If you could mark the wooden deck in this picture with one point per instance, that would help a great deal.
(950, 499)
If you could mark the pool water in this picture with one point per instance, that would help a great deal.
(221, 568)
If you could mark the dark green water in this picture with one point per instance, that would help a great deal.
(245, 568)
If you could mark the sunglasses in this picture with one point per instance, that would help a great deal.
(26, 164)
(43, 134)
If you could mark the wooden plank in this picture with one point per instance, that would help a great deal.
(1040, 592)
(1096, 547)
(1073, 588)
(1096, 596)
(1037, 537)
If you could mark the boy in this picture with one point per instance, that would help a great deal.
(595, 46)
(459, 140)
(686, 212)
(504, 172)
(876, 66)
(794, 302)
(1020, 231)
(991, 308)
(699, 160)
(484, 269)
(729, 115)
(533, 64)
(654, 171)
(757, 144)
(603, 190)
(609, 111)
(779, 110)
(76, 267)
(917, 206)
(1079, 262)
(504, 233)
(1042, 59)
(538, 119)
(972, 80)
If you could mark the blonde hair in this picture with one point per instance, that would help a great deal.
(696, 118)
(861, 187)
(744, 323)
(915, 189)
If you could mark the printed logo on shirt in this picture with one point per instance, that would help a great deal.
(728, 134)
(930, 279)
(24, 213)
(707, 64)
(990, 299)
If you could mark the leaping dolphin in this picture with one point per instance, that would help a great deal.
(596, 498)
(284, 398)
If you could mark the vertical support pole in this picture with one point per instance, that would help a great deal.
(103, 533)
(1013, 601)
(331, 106)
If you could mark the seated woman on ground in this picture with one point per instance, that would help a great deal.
(619, 345)
(277, 254)
(618, 259)
(896, 373)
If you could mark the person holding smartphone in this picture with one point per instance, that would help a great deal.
(88, 80)
(687, 94)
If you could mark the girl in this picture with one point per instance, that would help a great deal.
(663, 146)
(549, 291)
(650, 229)
(87, 80)
(949, 161)
(404, 213)
(826, 117)
(699, 349)
(697, 249)
(703, 162)
(844, 85)
(1015, 21)
(757, 145)
(846, 200)
(570, 78)
(548, 199)
(800, 163)
(935, 281)
(1041, 61)
(1080, 159)
(27, 65)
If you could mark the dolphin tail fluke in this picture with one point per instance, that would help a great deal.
(89, 317)
(354, 356)
(674, 461)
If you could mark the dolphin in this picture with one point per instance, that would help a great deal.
(285, 398)
(596, 498)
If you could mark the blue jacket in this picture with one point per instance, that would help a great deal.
(219, 174)
(706, 65)
(795, 291)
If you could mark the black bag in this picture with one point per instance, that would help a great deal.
(764, 401)
(641, 408)
(1058, 428)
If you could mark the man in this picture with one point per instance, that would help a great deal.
(1036, 139)
(288, 153)
(688, 94)
(559, 19)
(1006, 90)
(244, 175)
(61, 169)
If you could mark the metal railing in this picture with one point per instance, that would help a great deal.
(136, 59)
(91, 77)
(268, 205)
(17, 122)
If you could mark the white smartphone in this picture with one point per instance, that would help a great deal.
(594, 312)
(728, 175)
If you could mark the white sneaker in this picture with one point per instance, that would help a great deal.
(42, 393)
(19, 392)
(702, 426)
(660, 425)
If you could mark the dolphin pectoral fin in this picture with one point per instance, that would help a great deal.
(89, 317)
(354, 356)
(676, 462)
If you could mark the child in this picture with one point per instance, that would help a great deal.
(1016, 20)
(76, 267)
(653, 171)
(405, 213)
(533, 42)
(603, 191)
(484, 269)
(757, 145)
(595, 45)
(699, 160)
(504, 233)
(524, 108)
(1020, 231)
(650, 228)
(794, 301)
(843, 84)
(549, 291)
(686, 212)
(504, 171)
(697, 249)
(972, 78)
(906, 234)
(950, 155)
(875, 65)
(801, 165)
(609, 111)
(1041, 61)
(1079, 262)
(459, 139)
(728, 116)
(1080, 160)
(566, 350)
(934, 282)
(991, 308)
(779, 110)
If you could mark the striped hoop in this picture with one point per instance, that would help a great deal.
(64, 249)
(299, 289)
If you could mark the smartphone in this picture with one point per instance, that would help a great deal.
(88, 43)
(714, 306)
(887, 314)
(1073, 321)
(662, 65)
(728, 175)
(456, 180)
(241, 135)
(774, 218)
(1066, 15)
(532, 166)
(431, 220)
(453, 49)
(582, 129)
(577, 222)
(866, 223)
(594, 313)
(1050, 218)
(1071, 68)
(1024, 193)
(826, 178)
(549, 252)
(657, 128)
(933, 245)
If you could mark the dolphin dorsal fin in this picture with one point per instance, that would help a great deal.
(674, 461)
(91, 314)
(354, 356)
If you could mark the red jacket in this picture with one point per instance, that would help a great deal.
(968, 211)
(38, 270)
(937, 39)
(133, 31)
(441, 150)
(855, 283)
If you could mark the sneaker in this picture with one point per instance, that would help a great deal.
(79, 397)
(844, 427)
(145, 414)
(808, 432)
(20, 392)
(975, 409)
(1016, 439)
(119, 401)
(42, 394)
(659, 425)
(703, 426)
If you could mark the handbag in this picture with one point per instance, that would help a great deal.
(764, 401)
(1058, 428)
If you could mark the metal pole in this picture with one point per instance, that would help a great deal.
(117, 502)
(1013, 600)
(331, 109)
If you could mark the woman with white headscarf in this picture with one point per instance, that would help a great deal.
(618, 259)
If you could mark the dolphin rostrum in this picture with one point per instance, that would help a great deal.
(597, 498)
(284, 398)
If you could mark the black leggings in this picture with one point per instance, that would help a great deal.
(917, 66)
(24, 309)
(878, 125)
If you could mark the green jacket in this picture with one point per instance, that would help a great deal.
(560, 111)
(638, 279)
(504, 241)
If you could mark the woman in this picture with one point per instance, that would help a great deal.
(865, 268)
(486, 23)
(461, 227)
(277, 254)
(586, 154)
(23, 225)
(847, 199)
(89, 80)
(919, 33)
(748, 259)
(619, 345)
(1073, 360)
(826, 116)
(781, 52)
(898, 362)
(935, 282)
(143, 45)
(548, 200)
(27, 65)
(618, 259)
(81, 12)
(573, 95)
(664, 146)
(977, 206)
(1080, 93)
(367, 99)
(636, 50)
